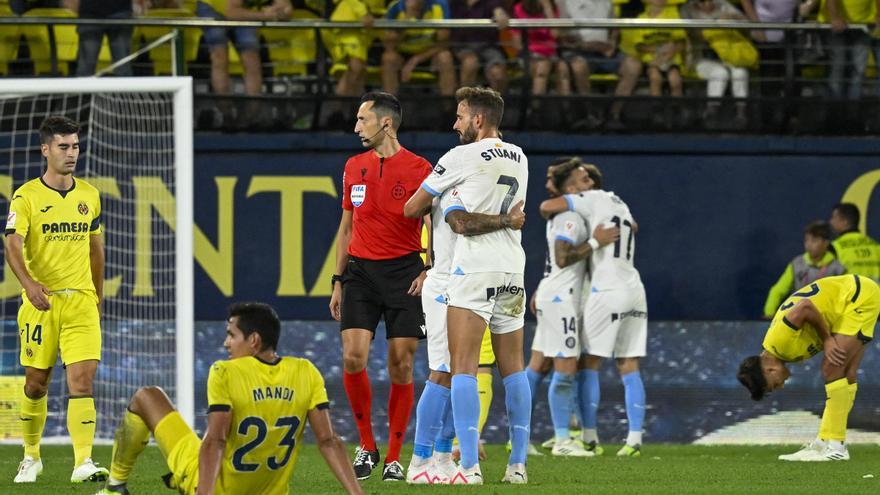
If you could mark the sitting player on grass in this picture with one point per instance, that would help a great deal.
(257, 406)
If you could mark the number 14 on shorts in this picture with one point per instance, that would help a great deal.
(35, 336)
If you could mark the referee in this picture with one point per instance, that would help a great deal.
(379, 274)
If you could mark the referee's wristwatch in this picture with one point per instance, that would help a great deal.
(334, 279)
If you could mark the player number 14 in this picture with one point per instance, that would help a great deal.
(36, 336)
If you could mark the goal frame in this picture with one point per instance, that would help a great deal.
(181, 88)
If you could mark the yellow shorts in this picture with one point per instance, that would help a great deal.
(180, 447)
(487, 355)
(72, 325)
(860, 315)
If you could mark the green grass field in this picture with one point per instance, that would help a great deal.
(672, 469)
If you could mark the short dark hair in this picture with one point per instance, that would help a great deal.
(57, 125)
(260, 318)
(562, 172)
(850, 212)
(484, 101)
(385, 105)
(751, 375)
(819, 228)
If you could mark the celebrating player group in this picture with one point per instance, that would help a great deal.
(590, 306)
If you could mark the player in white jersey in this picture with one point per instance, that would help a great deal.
(432, 460)
(559, 301)
(486, 284)
(616, 313)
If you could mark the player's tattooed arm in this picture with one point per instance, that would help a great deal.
(569, 254)
(464, 223)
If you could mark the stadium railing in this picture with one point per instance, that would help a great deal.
(299, 78)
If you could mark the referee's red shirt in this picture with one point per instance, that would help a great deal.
(376, 189)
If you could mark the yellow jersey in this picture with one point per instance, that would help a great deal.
(56, 227)
(418, 40)
(269, 404)
(848, 303)
(221, 5)
(859, 254)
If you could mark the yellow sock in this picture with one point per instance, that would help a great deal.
(484, 387)
(833, 426)
(33, 419)
(852, 389)
(81, 417)
(131, 438)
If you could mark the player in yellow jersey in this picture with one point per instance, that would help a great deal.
(258, 404)
(54, 248)
(836, 315)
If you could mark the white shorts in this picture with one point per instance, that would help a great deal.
(498, 298)
(558, 333)
(616, 323)
(434, 307)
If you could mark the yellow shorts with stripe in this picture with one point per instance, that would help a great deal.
(72, 325)
(487, 355)
(180, 447)
(860, 315)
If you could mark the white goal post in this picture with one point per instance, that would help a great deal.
(181, 273)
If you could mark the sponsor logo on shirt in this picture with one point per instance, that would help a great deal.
(358, 194)
(439, 169)
(10, 220)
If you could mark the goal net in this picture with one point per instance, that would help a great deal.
(136, 148)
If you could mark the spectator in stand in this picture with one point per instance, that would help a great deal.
(349, 46)
(418, 45)
(771, 42)
(474, 47)
(542, 47)
(855, 42)
(817, 262)
(91, 37)
(589, 50)
(659, 51)
(247, 41)
(711, 65)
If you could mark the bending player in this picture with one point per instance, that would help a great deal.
(836, 315)
(257, 406)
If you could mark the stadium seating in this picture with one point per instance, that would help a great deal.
(291, 50)
(66, 44)
(161, 56)
(9, 40)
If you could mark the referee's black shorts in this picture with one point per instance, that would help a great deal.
(376, 289)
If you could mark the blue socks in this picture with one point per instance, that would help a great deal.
(518, 400)
(559, 397)
(588, 383)
(443, 442)
(534, 379)
(429, 414)
(634, 392)
(466, 414)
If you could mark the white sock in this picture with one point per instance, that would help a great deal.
(115, 482)
(634, 438)
(590, 435)
(418, 461)
(443, 456)
(836, 445)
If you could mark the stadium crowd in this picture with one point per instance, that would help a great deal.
(582, 62)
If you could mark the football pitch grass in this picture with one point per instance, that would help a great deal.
(671, 469)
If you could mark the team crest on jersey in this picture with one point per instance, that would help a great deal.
(29, 352)
(398, 191)
(10, 220)
(83, 208)
(358, 194)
